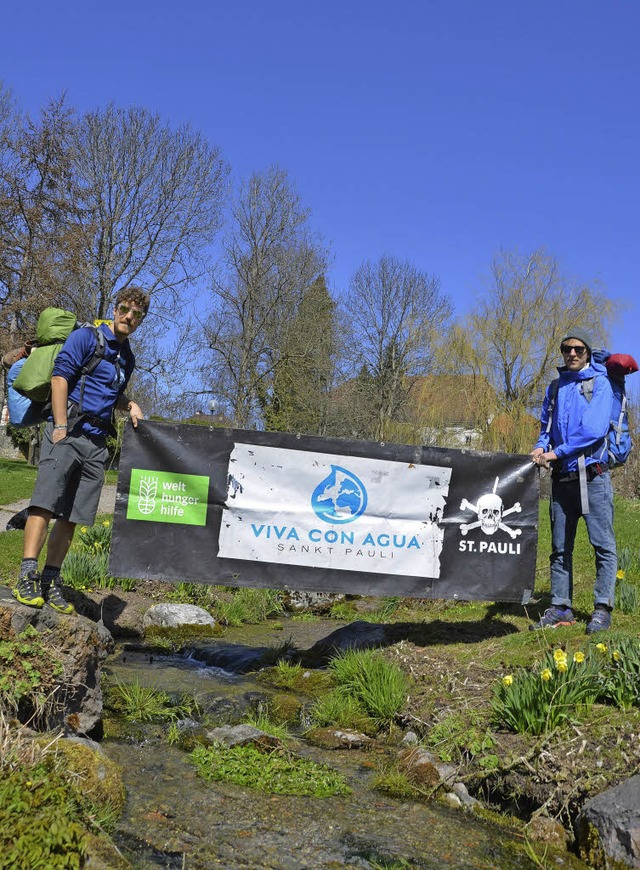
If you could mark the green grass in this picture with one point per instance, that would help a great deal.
(369, 691)
(16, 480)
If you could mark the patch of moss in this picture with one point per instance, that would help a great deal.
(284, 708)
(295, 678)
(167, 639)
(99, 777)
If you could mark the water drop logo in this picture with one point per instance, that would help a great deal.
(340, 497)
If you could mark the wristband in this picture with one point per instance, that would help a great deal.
(60, 426)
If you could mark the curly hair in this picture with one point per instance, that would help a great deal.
(135, 295)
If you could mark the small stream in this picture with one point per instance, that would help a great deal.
(175, 819)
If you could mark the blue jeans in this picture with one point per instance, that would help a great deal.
(565, 510)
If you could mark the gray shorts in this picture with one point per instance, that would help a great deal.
(70, 476)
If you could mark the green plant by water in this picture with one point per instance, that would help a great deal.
(275, 771)
(138, 703)
(248, 605)
(369, 691)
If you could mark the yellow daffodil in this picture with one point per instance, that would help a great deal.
(620, 575)
(559, 655)
(562, 667)
(507, 679)
(546, 675)
(106, 524)
(83, 530)
(601, 647)
(578, 657)
(615, 655)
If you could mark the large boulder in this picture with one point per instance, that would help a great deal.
(609, 825)
(176, 615)
(81, 646)
(354, 636)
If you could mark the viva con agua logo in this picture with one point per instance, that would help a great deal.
(340, 498)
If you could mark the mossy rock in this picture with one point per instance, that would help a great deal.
(100, 778)
(284, 708)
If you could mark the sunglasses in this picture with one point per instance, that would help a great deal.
(127, 309)
(579, 349)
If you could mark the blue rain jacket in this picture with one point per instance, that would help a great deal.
(107, 381)
(578, 426)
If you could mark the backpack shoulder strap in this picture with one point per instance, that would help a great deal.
(553, 395)
(98, 354)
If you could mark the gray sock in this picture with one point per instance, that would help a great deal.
(27, 566)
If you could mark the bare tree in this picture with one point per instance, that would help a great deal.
(393, 313)
(512, 338)
(151, 203)
(38, 250)
(270, 259)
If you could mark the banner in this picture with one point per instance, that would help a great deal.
(239, 508)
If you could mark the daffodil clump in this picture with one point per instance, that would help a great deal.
(620, 674)
(563, 687)
(94, 539)
(550, 695)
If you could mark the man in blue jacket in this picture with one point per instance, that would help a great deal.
(73, 455)
(573, 442)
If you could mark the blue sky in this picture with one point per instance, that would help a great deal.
(434, 131)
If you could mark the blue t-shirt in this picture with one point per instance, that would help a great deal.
(105, 383)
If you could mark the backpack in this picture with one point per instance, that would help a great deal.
(29, 378)
(618, 366)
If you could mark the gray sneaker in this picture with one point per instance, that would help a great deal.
(553, 617)
(600, 620)
(28, 590)
(56, 599)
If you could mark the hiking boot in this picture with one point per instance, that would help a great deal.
(56, 599)
(29, 590)
(554, 617)
(600, 620)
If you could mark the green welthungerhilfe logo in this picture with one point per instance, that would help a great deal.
(165, 497)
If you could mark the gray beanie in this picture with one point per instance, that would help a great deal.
(582, 335)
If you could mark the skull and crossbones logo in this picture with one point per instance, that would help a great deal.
(490, 512)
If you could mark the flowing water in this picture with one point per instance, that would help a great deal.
(175, 819)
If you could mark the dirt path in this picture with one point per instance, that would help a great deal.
(106, 505)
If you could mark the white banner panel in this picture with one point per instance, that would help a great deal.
(327, 510)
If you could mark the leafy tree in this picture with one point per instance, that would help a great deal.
(299, 398)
